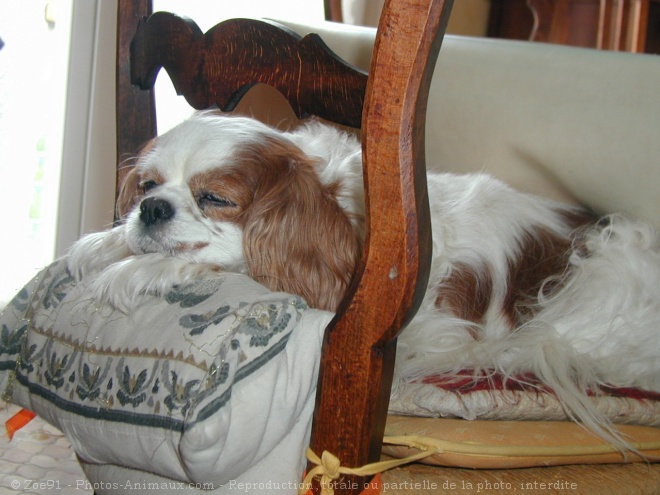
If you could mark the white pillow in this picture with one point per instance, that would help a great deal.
(199, 385)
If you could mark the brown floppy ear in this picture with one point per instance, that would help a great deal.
(296, 238)
(129, 193)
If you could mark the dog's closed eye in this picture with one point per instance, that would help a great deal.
(209, 199)
(148, 185)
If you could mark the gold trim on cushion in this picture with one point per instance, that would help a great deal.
(515, 444)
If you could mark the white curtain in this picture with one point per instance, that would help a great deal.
(89, 155)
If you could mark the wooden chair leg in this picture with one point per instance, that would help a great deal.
(359, 346)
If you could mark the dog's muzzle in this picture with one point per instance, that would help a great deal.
(155, 210)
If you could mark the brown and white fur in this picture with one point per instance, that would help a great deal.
(518, 283)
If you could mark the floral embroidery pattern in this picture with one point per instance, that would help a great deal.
(181, 392)
(265, 323)
(57, 290)
(171, 364)
(89, 384)
(55, 369)
(130, 391)
(199, 323)
(186, 299)
(11, 341)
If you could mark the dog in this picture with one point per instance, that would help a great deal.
(518, 283)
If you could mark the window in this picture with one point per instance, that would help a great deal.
(33, 73)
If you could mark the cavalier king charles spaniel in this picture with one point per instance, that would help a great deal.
(518, 283)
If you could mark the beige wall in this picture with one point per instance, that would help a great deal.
(468, 17)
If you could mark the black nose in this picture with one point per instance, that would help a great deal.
(154, 210)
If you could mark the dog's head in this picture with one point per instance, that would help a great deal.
(234, 193)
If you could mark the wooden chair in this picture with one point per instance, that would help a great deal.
(389, 105)
(621, 25)
(359, 346)
(603, 24)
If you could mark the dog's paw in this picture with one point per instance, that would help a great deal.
(124, 284)
(95, 252)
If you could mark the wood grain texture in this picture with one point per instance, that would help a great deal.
(359, 346)
(604, 479)
(136, 109)
(218, 67)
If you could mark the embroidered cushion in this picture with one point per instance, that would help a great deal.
(198, 385)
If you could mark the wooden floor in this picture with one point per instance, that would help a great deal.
(609, 479)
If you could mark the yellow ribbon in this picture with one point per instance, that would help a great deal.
(329, 468)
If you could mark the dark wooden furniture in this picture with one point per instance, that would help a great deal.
(358, 350)
(332, 10)
(627, 25)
